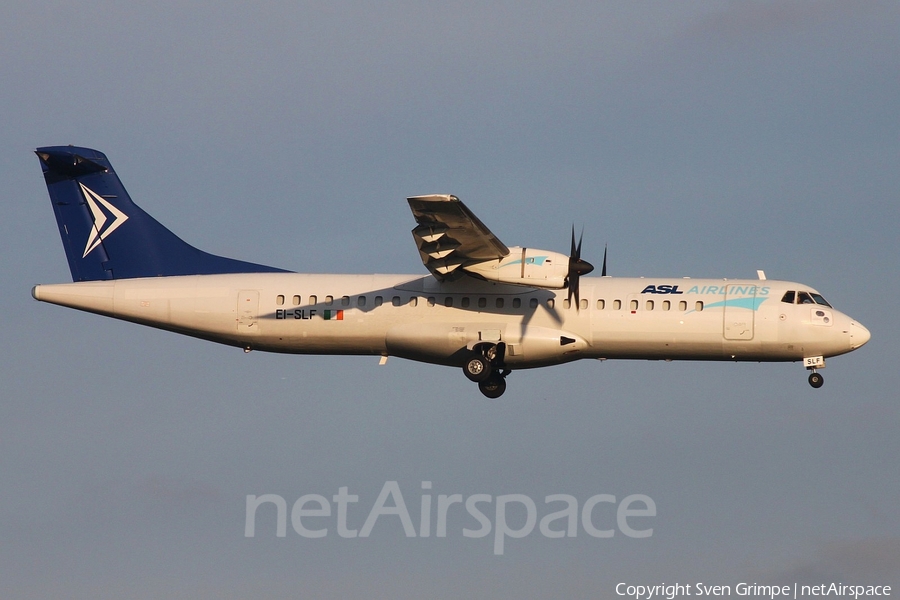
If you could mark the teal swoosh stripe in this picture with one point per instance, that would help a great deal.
(531, 260)
(751, 303)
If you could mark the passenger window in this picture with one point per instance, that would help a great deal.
(361, 301)
(517, 302)
(379, 300)
(482, 303)
(329, 300)
(465, 302)
(296, 300)
(551, 303)
(699, 306)
(666, 305)
(682, 306)
(583, 304)
(566, 303)
(431, 301)
(617, 305)
(345, 300)
(395, 300)
(312, 300)
(649, 304)
(601, 304)
(499, 302)
(414, 301)
(633, 305)
(279, 299)
(448, 302)
(533, 303)
(789, 297)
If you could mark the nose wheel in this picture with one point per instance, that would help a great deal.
(816, 380)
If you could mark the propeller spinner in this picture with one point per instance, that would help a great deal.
(577, 268)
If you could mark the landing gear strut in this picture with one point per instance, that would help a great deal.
(485, 367)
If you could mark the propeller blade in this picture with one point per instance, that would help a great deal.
(570, 282)
(577, 295)
(577, 268)
(603, 269)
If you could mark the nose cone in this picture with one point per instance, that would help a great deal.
(859, 335)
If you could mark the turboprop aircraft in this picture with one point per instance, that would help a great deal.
(485, 307)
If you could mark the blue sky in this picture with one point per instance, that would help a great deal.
(696, 139)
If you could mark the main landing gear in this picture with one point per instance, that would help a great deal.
(485, 367)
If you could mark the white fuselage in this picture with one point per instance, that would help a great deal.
(419, 318)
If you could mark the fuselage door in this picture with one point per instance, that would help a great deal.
(740, 311)
(248, 311)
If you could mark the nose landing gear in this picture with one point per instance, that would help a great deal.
(812, 363)
(485, 367)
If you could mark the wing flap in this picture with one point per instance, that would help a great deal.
(450, 236)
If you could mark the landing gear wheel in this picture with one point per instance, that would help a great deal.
(816, 380)
(477, 368)
(493, 386)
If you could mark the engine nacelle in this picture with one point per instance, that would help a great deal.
(525, 266)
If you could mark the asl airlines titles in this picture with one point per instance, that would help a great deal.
(751, 290)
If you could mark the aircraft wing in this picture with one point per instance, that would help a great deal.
(450, 236)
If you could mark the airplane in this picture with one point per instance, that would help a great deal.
(485, 307)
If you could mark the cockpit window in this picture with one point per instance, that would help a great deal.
(820, 300)
(795, 297)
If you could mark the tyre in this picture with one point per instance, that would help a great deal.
(477, 368)
(816, 380)
(493, 387)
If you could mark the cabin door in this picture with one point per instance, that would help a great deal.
(740, 304)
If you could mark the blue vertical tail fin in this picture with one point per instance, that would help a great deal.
(106, 235)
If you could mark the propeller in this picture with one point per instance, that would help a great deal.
(577, 268)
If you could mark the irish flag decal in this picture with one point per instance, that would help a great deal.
(334, 315)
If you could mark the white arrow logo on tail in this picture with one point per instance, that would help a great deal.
(101, 229)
